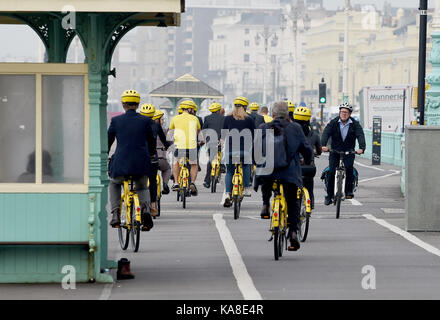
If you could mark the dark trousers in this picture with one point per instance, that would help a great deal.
(290, 193)
(334, 162)
(153, 182)
(308, 174)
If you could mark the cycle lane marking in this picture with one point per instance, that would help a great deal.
(395, 172)
(244, 280)
(107, 291)
(408, 236)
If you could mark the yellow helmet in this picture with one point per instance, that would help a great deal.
(215, 107)
(254, 106)
(147, 110)
(242, 101)
(131, 96)
(158, 114)
(180, 110)
(302, 113)
(188, 104)
(291, 106)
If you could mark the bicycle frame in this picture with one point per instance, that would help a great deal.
(279, 208)
(184, 173)
(307, 201)
(237, 181)
(215, 165)
(159, 184)
(130, 198)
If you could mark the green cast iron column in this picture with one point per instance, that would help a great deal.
(92, 34)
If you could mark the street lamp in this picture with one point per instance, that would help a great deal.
(297, 12)
(266, 35)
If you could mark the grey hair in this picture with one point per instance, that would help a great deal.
(280, 110)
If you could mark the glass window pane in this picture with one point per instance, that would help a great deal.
(63, 129)
(17, 128)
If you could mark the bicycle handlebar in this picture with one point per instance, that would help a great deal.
(343, 152)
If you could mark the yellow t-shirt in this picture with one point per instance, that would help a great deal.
(267, 118)
(185, 128)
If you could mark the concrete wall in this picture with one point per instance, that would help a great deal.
(422, 176)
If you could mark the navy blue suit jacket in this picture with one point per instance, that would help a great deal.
(135, 144)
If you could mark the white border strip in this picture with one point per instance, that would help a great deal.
(244, 281)
(395, 172)
(408, 236)
(367, 166)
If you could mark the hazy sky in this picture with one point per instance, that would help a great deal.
(22, 41)
(334, 4)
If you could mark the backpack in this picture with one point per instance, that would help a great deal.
(281, 158)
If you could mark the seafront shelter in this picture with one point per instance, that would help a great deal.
(53, 137)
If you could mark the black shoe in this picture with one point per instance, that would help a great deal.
(147, 220)
(206, 185)
(166, 189)
(116, 219)
(227, 203)
(265, 212)
(175, 187)
(193, 189)
(222, 168)
(328, 201)
(349, 195)
(124, 272)
(294, 241)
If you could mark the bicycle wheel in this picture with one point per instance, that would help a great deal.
(213, 184)
(183, 195)
(236, 207)
(281, 237)
(276, 249)
(123, 230)
(304, 221)
(338, 197)
(135, 231)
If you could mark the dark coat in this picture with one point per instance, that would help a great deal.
(214, 121)
(296, 144)
(135, 144)
(258, 119)
(333, 131)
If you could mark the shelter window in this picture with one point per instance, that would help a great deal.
(43, 128)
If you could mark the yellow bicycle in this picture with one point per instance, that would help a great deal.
(278, 222)
(183, 181)
(215, 171)
(303, 197)
(237, 189)
(159, 192)
(130, 217)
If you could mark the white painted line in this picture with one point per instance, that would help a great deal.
(395, 172)
(393, 210)
(408, 236)
(244, 281)
(367, 166)
(355, 202)
(107, 291)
